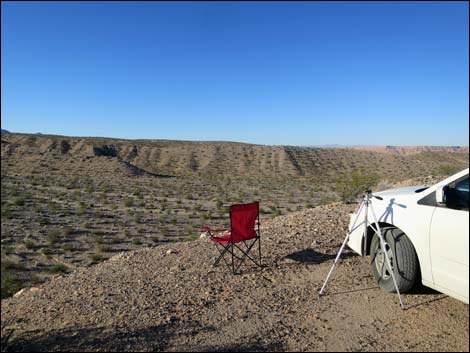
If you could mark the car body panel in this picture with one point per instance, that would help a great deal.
(439, 235)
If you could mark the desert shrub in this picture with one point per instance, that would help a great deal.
(10, 281)
(19, 201)
(68, 230)
(73, 184)
(46, 251)
(52, 206)
(13, 265)
(82, 208)
(68, 247)
(95, 258)
(139, 194)
(446, 169)
(104, 248)
(29, 244)
(128, 202)
(106, 189)
(64, 146)
(15, 191)
(44, 221)
(6, 213)
(352, 185)
(136, 241)
(53, 236)
(58, 268)
(191, 237)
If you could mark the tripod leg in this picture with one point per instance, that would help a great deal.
(341, 250)
(384, 250)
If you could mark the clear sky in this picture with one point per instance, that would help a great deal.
(277, 73)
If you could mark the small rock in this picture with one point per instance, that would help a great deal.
(17, 294)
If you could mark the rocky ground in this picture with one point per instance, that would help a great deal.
(170, 298)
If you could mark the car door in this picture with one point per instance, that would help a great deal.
(449, 239)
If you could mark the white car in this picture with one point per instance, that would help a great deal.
(426, 231)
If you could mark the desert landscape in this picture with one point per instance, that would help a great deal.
(101, 247)
(134, 131)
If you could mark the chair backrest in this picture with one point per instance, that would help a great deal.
(242, 221)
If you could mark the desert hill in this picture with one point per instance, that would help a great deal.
(407, 150)
(169, 298)
(88, 156)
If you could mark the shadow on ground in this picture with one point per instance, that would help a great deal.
(174, 335)
(310, 256)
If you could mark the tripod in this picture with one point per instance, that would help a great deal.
(366, 204)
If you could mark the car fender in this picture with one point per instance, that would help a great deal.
(400, 212)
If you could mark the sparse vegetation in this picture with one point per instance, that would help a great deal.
(354, 184)
(11, 281)
(90, 207)
(95, 258)
(58, 268)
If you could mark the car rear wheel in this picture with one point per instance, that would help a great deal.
(403, 260)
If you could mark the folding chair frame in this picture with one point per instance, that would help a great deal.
(230, 248)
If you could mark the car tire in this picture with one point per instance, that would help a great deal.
(401, 253)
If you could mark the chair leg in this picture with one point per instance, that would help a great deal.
(221, 256)
(259, 248)
(233, 261)
(230, 248)
(246, 255)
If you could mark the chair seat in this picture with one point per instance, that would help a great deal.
(223, 239)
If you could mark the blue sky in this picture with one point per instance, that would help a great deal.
(292, 73)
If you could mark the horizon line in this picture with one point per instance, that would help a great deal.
(332, 145)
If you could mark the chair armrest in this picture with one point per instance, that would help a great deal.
(207, 229)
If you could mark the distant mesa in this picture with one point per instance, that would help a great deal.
(5, 131)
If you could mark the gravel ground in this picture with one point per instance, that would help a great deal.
(170, 298)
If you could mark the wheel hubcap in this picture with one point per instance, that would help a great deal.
(381, 262)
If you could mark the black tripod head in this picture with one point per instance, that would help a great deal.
(369, 195)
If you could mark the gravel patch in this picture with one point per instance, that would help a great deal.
(170, 298)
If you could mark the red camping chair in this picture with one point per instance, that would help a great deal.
(243, 220)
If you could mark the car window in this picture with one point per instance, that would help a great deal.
(457, 195)
(462, 186)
